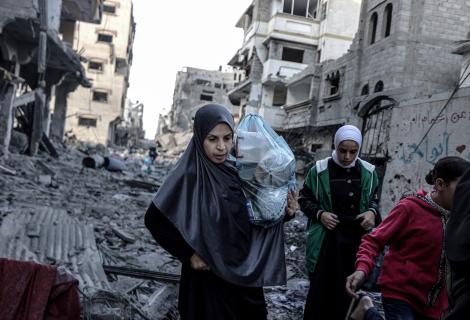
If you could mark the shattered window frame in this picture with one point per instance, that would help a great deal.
(96, 66)
(279, 96)
(292, 54)
(206, 97)
(100, 96)
(306, 9)
(107, 6)
(104, 37)
(87, 122)
(333, 83)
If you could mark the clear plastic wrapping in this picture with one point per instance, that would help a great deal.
(266, 165)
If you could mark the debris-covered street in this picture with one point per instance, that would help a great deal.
(56, 211)
(213, 160)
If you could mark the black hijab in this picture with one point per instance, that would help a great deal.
(458, 227)
(205, 202)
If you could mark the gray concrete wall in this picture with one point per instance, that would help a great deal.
(450, 136)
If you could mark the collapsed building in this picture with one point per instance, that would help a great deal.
(36, 61)
(402, 82)
(94, 114)
(195, 87)
(282, 38)
(131, 128)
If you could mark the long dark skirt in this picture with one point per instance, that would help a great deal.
(204, 296)
(327, 298)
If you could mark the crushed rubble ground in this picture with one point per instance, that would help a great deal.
(56, 211)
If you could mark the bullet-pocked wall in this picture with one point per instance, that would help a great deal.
(410, 160)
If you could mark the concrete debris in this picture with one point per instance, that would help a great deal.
(91, 222)
(7, 171)
(142, 184)
(123, 235)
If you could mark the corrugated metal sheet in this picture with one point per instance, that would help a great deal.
(47, 235)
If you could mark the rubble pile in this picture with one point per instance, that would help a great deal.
(57, 211)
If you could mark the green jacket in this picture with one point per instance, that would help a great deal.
(318, 180)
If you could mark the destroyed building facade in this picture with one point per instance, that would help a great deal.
(37, 62)
(402, 83)
(93, 114)
(281, 38)
(195, 87)
(131, 128)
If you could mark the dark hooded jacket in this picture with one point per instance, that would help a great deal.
(458, 251)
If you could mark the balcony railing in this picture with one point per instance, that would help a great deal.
(280, 70)
(294, 28)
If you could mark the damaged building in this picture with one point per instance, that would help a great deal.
(403, 82)
(36, 62)
(93, 114)
(282, 38)
(195, 87)
(131, 128)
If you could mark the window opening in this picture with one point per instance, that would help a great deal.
(293, 55)
(100, 96)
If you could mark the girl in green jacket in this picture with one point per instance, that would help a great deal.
(339, 197)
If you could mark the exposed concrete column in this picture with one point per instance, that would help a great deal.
(6, 113)
(60, 111)
(38, 121)
(6, 118)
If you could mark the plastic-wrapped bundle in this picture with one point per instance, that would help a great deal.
(267, 167)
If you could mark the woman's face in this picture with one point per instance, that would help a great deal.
(347, 152)
(218, 143)
(446, 192)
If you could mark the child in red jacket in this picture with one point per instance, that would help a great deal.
(412, 279)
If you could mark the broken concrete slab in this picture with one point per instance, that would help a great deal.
(7, 170)
(48, 235)
(123, 235)
(150, 186)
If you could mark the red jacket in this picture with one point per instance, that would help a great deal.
(414, 231)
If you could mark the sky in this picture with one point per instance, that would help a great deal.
(171, 35)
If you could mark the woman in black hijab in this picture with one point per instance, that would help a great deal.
(199, 216)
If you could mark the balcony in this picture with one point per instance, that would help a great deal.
(299, 115)
(280, 70)
(240, 91)
(293, 28)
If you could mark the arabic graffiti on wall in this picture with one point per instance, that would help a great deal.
(430, 151)
(454, 117)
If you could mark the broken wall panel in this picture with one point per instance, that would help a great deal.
(47, 235)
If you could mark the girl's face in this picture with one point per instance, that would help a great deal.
(347, 152)
(218, 143)
(446, 191)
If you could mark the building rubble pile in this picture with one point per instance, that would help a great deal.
(55, 211)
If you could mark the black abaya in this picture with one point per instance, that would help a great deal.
(202, 294)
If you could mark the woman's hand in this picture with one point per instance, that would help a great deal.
(197, 263)
(292, 204)
(329, 220)
(353, 282)
(368, 220)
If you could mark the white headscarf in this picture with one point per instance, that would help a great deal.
(347, 132)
